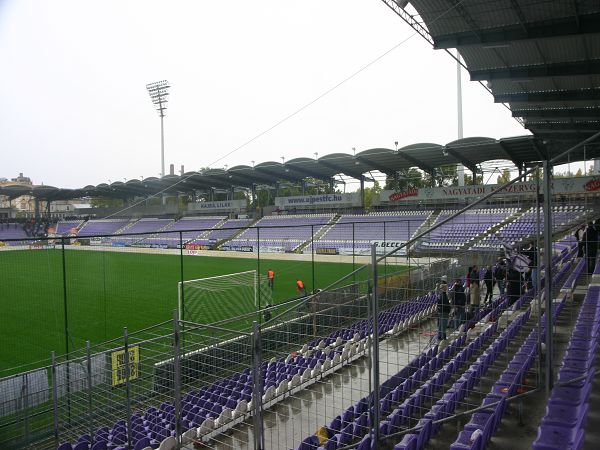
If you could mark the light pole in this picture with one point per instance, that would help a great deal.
(159, 93)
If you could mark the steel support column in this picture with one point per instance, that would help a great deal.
(548, 273)
(362, 191)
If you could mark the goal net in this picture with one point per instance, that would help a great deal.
(209, 300)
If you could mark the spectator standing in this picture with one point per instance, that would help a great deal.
(590, 240)
(580, 242)
(500, 275)
(488, 279)
(443, 307)
(267, 312)
(514, 285)
(460, 302)
(475, 292)
(531, 277)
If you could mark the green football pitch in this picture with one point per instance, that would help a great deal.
(106, 291)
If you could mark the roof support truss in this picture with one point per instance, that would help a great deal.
(549, 96)
(339, 169)
(379, 167)
(565, 69)
(420, 164)
(557, 113)
(503, 35)
(510, 154)
(464, 161)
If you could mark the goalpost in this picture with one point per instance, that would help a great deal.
(212, 299)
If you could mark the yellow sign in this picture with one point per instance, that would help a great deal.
(119, 365)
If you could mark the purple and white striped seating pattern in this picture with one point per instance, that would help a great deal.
(63, 227)
(101, 227)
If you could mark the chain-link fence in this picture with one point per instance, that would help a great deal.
(375, 348)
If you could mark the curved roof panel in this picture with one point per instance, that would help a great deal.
(470, 151)
(540, 58)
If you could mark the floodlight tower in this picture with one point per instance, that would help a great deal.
(159, 94)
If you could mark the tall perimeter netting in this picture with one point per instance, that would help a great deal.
(237, 295)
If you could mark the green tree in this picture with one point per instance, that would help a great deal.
(504, 177)
(407, 179)
(444, 176)
(104, 202)
(469, 179)
(371, 193)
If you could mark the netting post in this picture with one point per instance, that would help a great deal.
(55, 396)
(548, 273)
(177, 378)
(375, 351)
(127, 386)
(257, 391)
(89, 386)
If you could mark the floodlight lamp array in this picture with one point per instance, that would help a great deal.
(159, 92)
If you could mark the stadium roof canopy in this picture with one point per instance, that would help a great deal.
(471, 152)
(540, 57)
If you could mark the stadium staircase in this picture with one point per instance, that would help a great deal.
(494, 229)
(240, 231)
(205, 233)
(324, 229)
(126, 227)
(426, 225)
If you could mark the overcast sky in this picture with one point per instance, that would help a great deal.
(74, 109)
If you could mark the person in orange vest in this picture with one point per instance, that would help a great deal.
(300, 287)
(271, 278)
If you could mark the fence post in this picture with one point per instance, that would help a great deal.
(258, 265)
(375, 351)
(54, 396)
(312, 246)
(257, 391)
(177, 378)
(89, 387)
(181, 293)
(127, 386)
(25, 395)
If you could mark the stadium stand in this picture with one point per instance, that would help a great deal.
(279, 233)
(190, 227)
(459, 231)
(225, 231)
(64, 227)
(525, 226)
(131, 234)
(103, 227)
(213, 409)
(354, 233)
(11, 231)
